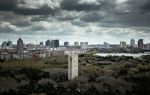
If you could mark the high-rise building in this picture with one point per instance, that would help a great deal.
(9, 44)
(81, 43)
(20, 45)
(4, 45)
(106, 45)
(76, 44)
(84, 45)
(41, 44)
(48, 43)
(147, 46)
(66, 44)
(56, 43)
(140, 44)
(123, 44)
(132, 43)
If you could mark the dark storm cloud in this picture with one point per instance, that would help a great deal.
(12, 5)
(146, 7)
(93, 16)
(14, 19)
(8, 5)
(6, 28)
(39, 18)
(42, 17)
(44, 10)
(75, 5)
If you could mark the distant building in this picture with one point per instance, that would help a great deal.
(7, 45)
(132, 43)
(30, 46)
(20, 47)
(48, 43)
(41, 44)
(76, 44)
(66, 44)
(52, 43)
(4, 45)
(81, 43)
(84, 45)
(147, 46)
(123, 44)
(106, 45)
(140, 44)
(56, 43)
(10, 44)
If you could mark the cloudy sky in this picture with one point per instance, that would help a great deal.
(95, 21)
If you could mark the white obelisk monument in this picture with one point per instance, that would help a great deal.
(72, 65)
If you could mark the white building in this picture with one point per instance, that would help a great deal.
(106, 45)
(123, 44)
(30, 46)
(147, 46)
(72, 65)
(84, 45)
(76, 44)
(132, 43)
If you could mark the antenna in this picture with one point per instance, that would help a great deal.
(36, 45)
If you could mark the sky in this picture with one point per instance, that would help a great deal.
(95, 21)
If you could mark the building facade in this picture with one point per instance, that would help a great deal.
(123, 44)
(140, 44)
(132, 43)
(66, 44)
(20, 48)
(76, 44)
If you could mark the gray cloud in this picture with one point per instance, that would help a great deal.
(8, 5)
(76, 5)
(108, 18)
(17, 6)
(44, 10)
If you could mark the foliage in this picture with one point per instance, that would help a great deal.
(125, 76)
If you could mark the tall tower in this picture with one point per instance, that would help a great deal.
(140, 44)
(20, 45)
(72, 65)
(132, 43)
(20, 48)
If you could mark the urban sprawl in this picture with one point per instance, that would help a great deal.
(9, 51)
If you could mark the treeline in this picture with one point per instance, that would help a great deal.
(128, 77)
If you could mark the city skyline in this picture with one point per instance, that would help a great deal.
(72, 43)
(94, 21)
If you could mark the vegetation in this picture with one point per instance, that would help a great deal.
(122, 76)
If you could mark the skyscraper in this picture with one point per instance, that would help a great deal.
(140, 44)
(66, 44)
(76, 44)
(41, 44)
(106, 45)
(84, 45)
(48, 43)
(56, 43)
(132, 43)
(4, 45)
(123, 44)
(20, 48)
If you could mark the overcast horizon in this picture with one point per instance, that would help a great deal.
(94, 21)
